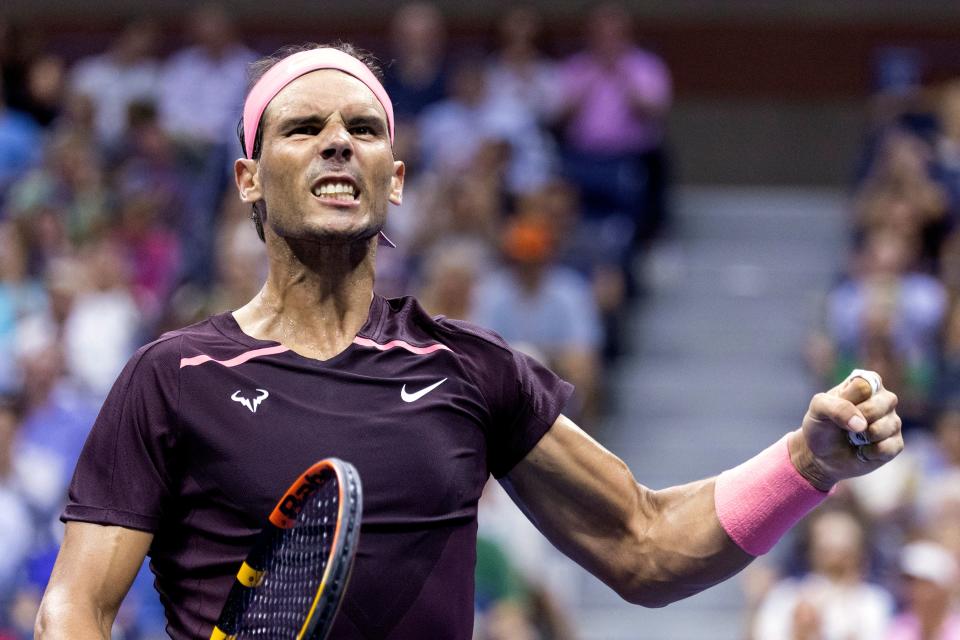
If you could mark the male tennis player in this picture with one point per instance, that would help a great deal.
(206, 426)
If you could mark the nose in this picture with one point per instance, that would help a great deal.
(338, 146)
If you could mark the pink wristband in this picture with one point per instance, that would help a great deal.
(761, 499)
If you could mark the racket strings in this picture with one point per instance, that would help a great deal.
(300, 554)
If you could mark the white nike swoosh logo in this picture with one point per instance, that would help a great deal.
(411, 397)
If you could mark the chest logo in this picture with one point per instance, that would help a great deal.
(250, 403)
(416, 395)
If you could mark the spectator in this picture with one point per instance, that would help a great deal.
(16, 526)
(929, 577)
(947, 147)
(613, 105)
(519, 73)
(450, 274)
(453, 131)
(832, 601)
(203, 85)
(46, 86)
(534, 301)
(126, 73)
(416, 77)
(68, 194)
(19, 145)
(151, 249)
(900, 192)
(103, 328)
(20, 296)
(888, 315)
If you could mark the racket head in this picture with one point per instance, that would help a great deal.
(294, 577)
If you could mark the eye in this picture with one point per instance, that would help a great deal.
(362, 130)
(306, 130)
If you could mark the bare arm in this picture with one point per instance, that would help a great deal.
(651, 547)
(655, 547)
(94, 570)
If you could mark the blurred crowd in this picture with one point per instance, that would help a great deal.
(880, 560)
(533, 183)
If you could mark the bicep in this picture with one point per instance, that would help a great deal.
(581, 496)
(93, 572)
(653, 547)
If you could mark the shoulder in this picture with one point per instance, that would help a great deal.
(644, 57)
(168, 350)
(406, 320)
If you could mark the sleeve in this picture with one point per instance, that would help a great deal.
(125, 473)
(523, 397)
(651, 79)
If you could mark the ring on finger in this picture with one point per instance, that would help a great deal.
(861, 456)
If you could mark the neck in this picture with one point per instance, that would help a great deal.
(316, 297)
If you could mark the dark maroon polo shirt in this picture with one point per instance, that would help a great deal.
(207, 426)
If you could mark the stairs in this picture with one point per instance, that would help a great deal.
(716, 370)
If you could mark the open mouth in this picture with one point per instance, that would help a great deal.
(336, 188)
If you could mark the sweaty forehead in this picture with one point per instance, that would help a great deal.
(322, 92)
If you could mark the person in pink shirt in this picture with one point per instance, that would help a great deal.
(929, 574)
(614, 100)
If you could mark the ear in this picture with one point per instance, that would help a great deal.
(396, 182)
(248, 180)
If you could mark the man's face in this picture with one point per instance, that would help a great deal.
(326, 170)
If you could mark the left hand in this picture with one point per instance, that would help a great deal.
(820, 449)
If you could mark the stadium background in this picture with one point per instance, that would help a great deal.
(812, 156)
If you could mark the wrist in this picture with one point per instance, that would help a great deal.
(806, 463)
(760, 500)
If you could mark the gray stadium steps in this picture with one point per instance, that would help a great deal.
(716, 372)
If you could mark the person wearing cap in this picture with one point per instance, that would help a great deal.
(928, 574)
(207, 425)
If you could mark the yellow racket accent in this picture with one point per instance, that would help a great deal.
(249, 576)
(220, 635)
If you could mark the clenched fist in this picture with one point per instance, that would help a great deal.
(821, 449)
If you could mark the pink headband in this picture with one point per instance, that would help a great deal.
(291, 68)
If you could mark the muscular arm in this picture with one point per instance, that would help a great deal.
(651, 547)
(655, 547)
(93, 573)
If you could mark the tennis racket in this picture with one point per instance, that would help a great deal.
(294, 577)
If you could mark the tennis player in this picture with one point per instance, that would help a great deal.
(206, 426)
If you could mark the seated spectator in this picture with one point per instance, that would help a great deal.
(17, 524)
(20, 145)
(454, 130)
(46, 88)
(535, 301)
(466, 207)
(832, 601)
(104, 325)
(929, 580)
(125, 73)
(20, 296)
(888, 316)
(150, 247)
(450, 274)
(417, 77)
(949, 382)
(947, 147)
(71, 186)
(203, 85)
(903, 175)
(519, 73)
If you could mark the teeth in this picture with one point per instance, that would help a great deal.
(337, 190)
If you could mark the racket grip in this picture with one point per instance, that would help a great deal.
(860, 439)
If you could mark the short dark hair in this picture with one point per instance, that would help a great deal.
(258, 68)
